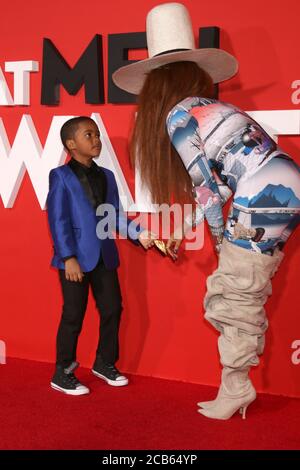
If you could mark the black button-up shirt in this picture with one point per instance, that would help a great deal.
(93, 181)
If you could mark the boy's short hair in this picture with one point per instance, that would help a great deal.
(70, 127)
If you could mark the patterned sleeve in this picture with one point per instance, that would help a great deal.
(198, 216)
(184, 134)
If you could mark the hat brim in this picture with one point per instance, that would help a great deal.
(219, 64)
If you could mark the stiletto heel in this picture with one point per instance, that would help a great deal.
(235, 395)
(244, 409)
(225, 407)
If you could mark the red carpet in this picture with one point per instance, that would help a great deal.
(148, 414)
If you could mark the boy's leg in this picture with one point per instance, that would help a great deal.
(107, 293)
(106, 290)
(75, 296)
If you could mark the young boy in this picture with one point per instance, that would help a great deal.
(76, 190)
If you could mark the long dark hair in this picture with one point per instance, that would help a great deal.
(160, 166)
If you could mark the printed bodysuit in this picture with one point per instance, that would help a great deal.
(212, 137)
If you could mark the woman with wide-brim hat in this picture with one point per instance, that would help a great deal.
(194, 148)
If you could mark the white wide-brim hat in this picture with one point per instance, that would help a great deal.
(170, 38)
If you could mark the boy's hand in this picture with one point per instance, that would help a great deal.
(73, 270)
(147, 238)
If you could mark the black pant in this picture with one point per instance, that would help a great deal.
(106, 291)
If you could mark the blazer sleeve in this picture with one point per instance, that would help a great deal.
(124, 225)
(59, 217)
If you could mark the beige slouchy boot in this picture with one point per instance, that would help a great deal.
(236, 393)
(234, 303)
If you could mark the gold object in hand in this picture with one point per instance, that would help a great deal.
(161, 246)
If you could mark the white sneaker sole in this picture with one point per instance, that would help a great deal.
(82, 391)
(113, 383)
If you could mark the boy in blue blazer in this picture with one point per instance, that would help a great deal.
(76, 190)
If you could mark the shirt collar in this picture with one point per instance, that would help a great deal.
(85, 168)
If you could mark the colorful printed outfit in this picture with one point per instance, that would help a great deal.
(212, 135)
(209, 136)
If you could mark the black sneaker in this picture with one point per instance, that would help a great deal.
(65, 381)
(110, 374)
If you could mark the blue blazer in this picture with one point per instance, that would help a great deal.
(73, 221)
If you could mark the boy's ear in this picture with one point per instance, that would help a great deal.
(70, 144)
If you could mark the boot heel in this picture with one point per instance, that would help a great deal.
(243, 411)
(236, 398)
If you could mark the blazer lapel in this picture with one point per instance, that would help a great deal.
(77, 188)
(108, 184)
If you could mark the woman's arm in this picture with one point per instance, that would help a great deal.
(189, 145)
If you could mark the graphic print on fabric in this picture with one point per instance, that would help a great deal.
(211, 137)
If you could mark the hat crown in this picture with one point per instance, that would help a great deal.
(169, 27)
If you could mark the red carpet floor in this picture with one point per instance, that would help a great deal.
(148, 414)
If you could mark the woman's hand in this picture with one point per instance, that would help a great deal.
(147, 238)
(174, 242)
(217, 236)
